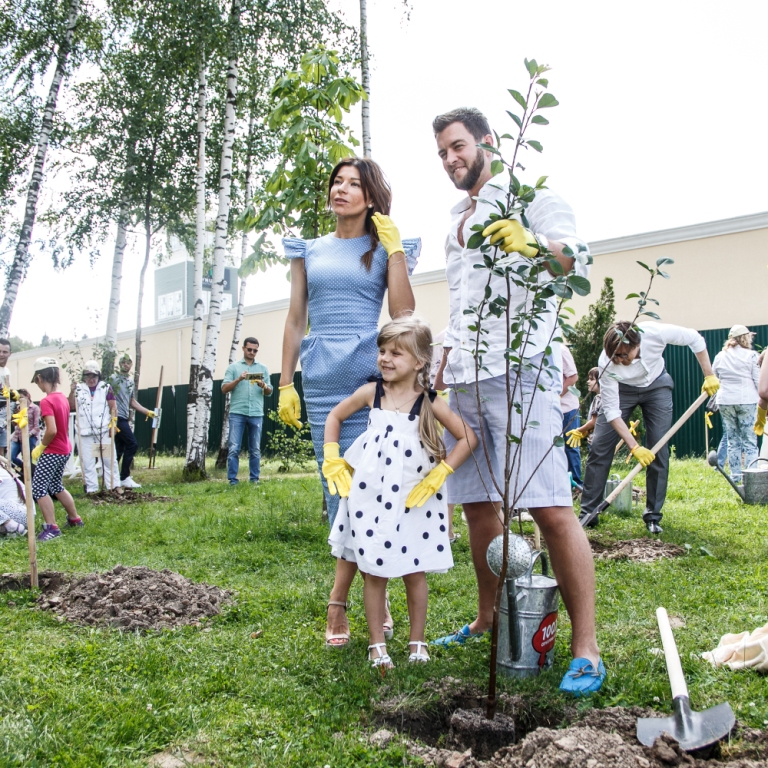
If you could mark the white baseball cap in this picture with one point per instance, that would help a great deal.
(91, 367)
(738, 330)
(42, 363)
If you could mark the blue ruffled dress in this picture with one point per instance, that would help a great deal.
(339, 354)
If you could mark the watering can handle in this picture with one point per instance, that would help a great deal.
(759, 458)
(674, 667)
(536, 555)
(636, 469)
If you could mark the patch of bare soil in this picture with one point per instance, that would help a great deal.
(125, 496)
(637, 550)
(128, 598)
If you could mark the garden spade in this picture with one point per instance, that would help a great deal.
(692, 730)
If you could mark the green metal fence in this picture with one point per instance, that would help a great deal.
(684, 369)
(172, 435)
(681, 365)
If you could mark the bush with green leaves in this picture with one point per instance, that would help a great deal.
(290, 446)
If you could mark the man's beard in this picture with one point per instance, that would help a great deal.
(473, 173)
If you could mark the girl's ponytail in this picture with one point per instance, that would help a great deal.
(430, 429)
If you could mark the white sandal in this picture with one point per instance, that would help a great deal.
(418, 656)
(382, 661)
(13, 529)
(389, 629)
(340, 640)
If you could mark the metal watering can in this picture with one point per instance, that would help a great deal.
(755, 487)
(623, 502)
(529, 603)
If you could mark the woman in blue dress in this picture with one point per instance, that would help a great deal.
(337, 285)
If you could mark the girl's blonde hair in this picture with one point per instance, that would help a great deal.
(745, 340)
(414, 335)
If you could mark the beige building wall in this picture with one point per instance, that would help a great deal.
(718, 279)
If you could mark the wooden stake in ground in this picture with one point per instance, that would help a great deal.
(80, 444)
(112, 458)
(27, 461)
(8, 425)
(156, 422)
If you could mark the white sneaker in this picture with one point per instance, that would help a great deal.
(129, 482)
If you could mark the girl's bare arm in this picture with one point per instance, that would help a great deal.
(355, 402)
(50, 430)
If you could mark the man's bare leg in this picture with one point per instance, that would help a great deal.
(484, 526)
(574, 568)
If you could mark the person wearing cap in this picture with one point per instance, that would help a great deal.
(632, 373)
(96, 408)
(123, 386)
(51, 455)
(736, 367)
(5, 379)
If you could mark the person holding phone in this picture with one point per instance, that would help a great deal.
(246, 381)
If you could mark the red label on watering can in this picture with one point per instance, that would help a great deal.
(543, 639)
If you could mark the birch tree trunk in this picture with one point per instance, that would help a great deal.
(197, 449)
(21, 257)
(366, 77)
(110, 340)
(197, 281)
(147, 244)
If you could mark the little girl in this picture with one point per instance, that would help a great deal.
(52, 453)
(392, 519)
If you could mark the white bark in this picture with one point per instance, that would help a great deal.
(19, 266)
(197, 280)
(366, 78)
(197, 448)
(110, 339)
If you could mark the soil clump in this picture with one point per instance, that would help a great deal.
(127, 598)
(125, 496)
(637, 550)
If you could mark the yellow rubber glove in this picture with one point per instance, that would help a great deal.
(336, 471)
(389, 235)
(429, 486)
(6, 392)
(759, 427)
(20, 418)
(643, 455)
(633, 427)
(711, 385)
(289, 406)
(707, 420)
(575, 436)
(151, 414)
(36, 452)
(511, 236)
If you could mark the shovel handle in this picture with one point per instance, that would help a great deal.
(674, 667)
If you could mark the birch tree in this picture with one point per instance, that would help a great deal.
(21, 256)
(366, 78)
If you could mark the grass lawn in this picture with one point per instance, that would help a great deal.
(71, 696)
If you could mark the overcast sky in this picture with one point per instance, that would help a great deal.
(662, 123)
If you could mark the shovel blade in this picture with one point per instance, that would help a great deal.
(692, 730)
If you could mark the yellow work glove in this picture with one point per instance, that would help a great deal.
(711, 385)
(151, 414)
(429, 486)
(759, 427)
(707, 420)
(443, 394)
(511, 236)
(633, 427)
(20, 418)
(6, 392)
(113, 424)
(389, 235)
(643, 455)
(289, 406)
(575, 436)
(336, 471)
(36, 452)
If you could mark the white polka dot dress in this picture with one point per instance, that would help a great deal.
(373, 526)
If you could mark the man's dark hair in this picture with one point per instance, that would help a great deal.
(251, 340)
(622, 334)
(472, 119)
(6, 343)
(51, 375)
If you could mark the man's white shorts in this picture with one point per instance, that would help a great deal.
(539, 476)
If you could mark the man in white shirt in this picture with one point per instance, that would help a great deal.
(541, 484)
(632, 373)
(5, 378)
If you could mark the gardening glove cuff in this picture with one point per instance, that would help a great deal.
(633, 427)
(759, 427)
(388, 233)
(36, 452)
(336, 471)
(511, 236)
(575, 436)
(643, 455)
(289, 406)
(711, 385)
(429, 486)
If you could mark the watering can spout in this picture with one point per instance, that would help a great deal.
(712, 461)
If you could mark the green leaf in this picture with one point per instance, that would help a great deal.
(490, 148)
(539, 120)
(645, 266)
(663, 274)
(476, 240)
(535, 145)
(580, 285)
(531, 66)
(540, 182)
(664, 260)
(559, 441)
(547, 100)
(516, 119)
(705, 551)
(632, 296)
(497, 167)
(543, 82)
(651, 314)
(519, 98)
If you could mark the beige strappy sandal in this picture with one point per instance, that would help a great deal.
(340, 640)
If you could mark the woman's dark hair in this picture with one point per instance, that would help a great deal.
(375, 188)
(594, 373)
(621, 334)
(49, 375)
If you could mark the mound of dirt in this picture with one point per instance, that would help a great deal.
(637, 550)
(125, 496)
(129, 598)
